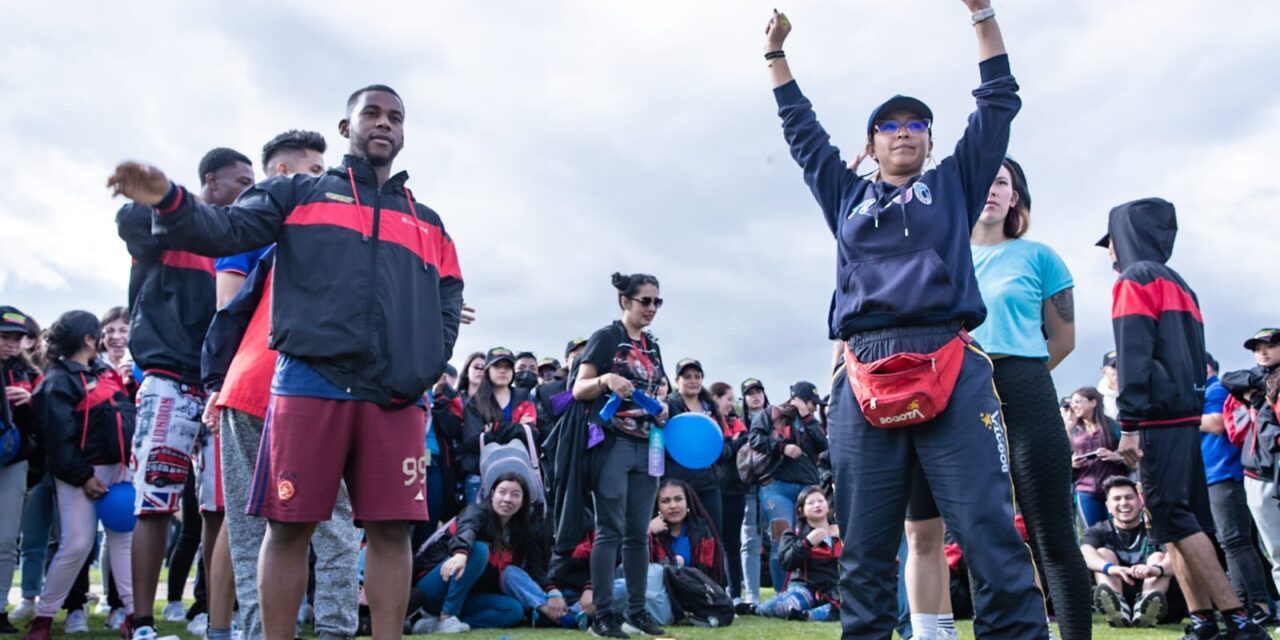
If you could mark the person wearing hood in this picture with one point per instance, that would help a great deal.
(1160, 362)
(499, 411)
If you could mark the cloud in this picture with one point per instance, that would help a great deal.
(563, 141)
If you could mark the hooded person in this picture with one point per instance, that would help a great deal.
(1160, 363)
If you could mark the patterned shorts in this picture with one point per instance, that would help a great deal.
(168, 439)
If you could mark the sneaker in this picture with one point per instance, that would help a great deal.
(199, 625)
(1109, 604)
(103, 608)
(451, 625)
(40, 629)
(608, 625)
(1189, 632)
(642, 624)
(1261, 617)
(115, 619)
(1150, 609)
(1250, 632)
(5, 625)
(952, 634)
(143, 633)
(76, 622)
(174, 612)
(425, 625)
(24, 612)
(745, 608)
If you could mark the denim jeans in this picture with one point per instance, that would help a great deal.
(797, 597)
(37, 524)
(472, 490)
(778, 502)
(480, 610)
(656, 600)
(517, 584)
(751, 546)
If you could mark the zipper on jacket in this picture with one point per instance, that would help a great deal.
(375, 235)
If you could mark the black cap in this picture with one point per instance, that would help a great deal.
(807, 391)
(1263, 336)
(525, 354)
(898, 103)
(14, 321)
(751, 383)
(449, 370)
(574, 345)
(548, 362)
(1109, 360)
(1105, 242)
(689, 362)
(498, 354)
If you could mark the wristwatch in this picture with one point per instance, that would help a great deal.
(982, 14)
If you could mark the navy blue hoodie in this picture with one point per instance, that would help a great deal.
(906, 262)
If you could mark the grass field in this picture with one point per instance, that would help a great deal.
(750, 628)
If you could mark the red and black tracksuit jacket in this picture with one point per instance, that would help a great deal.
(171, 299)
(816, 567)
(17, 373)
(708, 554)
(88, 419)
(1261, 444)
(473, 426)
(1159, 330)
(367, 288)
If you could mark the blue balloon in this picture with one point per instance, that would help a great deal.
(115, 509)
(693, 440)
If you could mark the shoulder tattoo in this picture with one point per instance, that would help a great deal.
(1065, 303)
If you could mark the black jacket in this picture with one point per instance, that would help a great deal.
(767, 437)
(367, 288)
(171, 297)
(700, 479)
(15, 372)
(1262, 444)
(469, 528)
(226, 331)
(816, 567)
(1159, 331)
(88, 419)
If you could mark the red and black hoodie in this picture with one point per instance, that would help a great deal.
(814, 566)
(708, 553)
(474, 426)
(171, 297)
(88, 419)
(1159, 331)
(367, 288)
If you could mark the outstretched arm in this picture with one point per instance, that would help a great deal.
(990, 43)
(774, 34)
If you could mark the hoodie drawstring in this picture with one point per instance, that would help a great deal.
(417, 228)
(364, 235)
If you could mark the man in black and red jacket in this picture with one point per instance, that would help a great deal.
(171, 295)
(1159, 334)
(365, 308)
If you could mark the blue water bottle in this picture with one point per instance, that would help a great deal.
(657, 452)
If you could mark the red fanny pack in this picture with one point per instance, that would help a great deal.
(906, 389)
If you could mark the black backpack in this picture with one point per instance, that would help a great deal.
(697, 598)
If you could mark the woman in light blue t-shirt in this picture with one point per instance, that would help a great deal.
(1029, 329)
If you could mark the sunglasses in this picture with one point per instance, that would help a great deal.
(892, 127)
(656, 303)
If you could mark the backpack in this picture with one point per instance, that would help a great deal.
(697, 598)
(755, 467)
(516, 457)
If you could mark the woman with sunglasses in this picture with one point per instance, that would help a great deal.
(622, 358)
(906, 289)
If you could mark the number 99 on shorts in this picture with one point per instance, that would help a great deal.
(415, 470)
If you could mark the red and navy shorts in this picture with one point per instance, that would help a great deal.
(311, 444)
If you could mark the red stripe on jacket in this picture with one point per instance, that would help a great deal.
(185, 260)
(1152, 299)
(395, 227)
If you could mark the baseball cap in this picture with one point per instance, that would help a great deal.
(525, 354)
(14, 321)
(751, 383)
(807, 391)
(498, 354)
(548, 362)
(1263, 336)
(689, 362)
(573, 345)
(898, 103)
(1109, 360)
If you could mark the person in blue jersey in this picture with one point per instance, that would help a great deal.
(1030, 328)
(905, 295)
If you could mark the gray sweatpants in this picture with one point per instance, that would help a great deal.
(336, 541)
(13, 490)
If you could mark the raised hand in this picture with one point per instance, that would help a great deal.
(139, 182)
(976, 5)
(776, 32)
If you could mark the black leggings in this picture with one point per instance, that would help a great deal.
(1040, 457)
(735, 507)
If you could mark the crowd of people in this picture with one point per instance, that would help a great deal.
(299, 416)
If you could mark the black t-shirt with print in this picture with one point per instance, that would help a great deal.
(1131, 546)
(611, 350)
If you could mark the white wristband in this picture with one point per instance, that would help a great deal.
(982, 14)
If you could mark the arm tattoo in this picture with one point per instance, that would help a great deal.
(1064, 302)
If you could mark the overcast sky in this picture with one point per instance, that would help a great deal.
(563, 141)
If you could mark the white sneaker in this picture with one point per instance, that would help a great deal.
(76, 622)
(174, 612)
(115, 619)
(24, 612)
(144, 633)
(948, 634)
(199, 625)
(103, 608)
(452, 625)
(425, 625)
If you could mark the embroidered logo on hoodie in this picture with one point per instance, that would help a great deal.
(339, 197)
